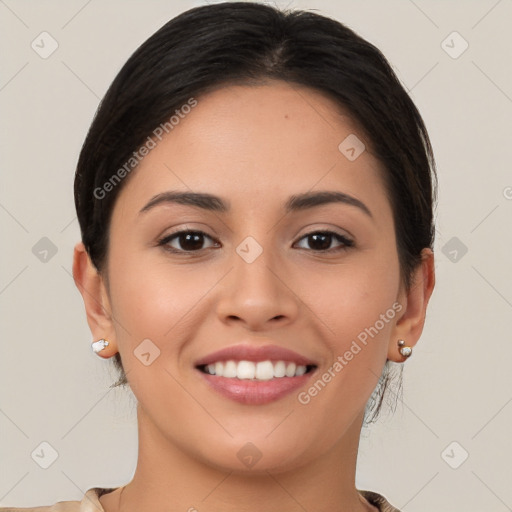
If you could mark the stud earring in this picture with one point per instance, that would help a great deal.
(405, 351)
(99, 345)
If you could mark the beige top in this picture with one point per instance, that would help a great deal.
(91, 503)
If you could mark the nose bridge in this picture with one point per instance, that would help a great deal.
(254, 281)
(254, 275)
(254, 292)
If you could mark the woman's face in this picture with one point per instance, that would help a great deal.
(296, 250)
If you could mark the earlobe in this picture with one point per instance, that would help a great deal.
(91, 285)
(409, 326)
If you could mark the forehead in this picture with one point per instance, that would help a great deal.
(254, 143)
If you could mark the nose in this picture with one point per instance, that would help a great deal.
(257, 295)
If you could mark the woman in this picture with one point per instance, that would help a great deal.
(255, 197)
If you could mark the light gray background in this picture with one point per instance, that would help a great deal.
(457, 385)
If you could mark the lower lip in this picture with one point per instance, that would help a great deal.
(255, 392)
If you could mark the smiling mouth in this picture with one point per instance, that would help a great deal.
(256, 371)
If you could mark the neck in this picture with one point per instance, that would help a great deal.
(168, 478)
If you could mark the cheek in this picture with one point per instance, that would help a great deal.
(152, 298)
(353, 298)
(153, 301)
(358, 311)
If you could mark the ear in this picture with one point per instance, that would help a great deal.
(414, 306)
(91, 285)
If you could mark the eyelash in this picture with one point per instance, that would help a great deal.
(347, 243)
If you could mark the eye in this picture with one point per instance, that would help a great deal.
(322, 241)
(187, 241)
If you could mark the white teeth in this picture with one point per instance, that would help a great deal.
(244, 370)
(279, 369)
(263, 370)
(230, 369)
(290, 370)
(301, 370)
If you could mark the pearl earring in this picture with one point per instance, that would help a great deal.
(99, 345)
(404, 350)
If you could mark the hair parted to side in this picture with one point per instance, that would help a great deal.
(211, 46)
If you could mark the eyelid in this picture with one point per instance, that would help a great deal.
(325, 228)
(345, 241)
(196, 227)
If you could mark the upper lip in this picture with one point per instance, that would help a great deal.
(251, 352)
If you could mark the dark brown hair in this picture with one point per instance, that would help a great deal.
(229, 43)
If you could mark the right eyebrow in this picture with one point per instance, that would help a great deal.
(197, 199)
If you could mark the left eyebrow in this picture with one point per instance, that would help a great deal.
(312, 199)
(216, 204)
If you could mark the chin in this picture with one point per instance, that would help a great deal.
(257, 456)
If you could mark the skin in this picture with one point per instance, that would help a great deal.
(254, 147)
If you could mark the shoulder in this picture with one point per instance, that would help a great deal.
(89, 503)
(378, 501)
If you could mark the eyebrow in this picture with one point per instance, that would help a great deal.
(295, 203)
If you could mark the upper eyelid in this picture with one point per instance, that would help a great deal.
(326, 230)
(310, 232)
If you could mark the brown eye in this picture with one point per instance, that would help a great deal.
(323, 241)
(186, 241)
